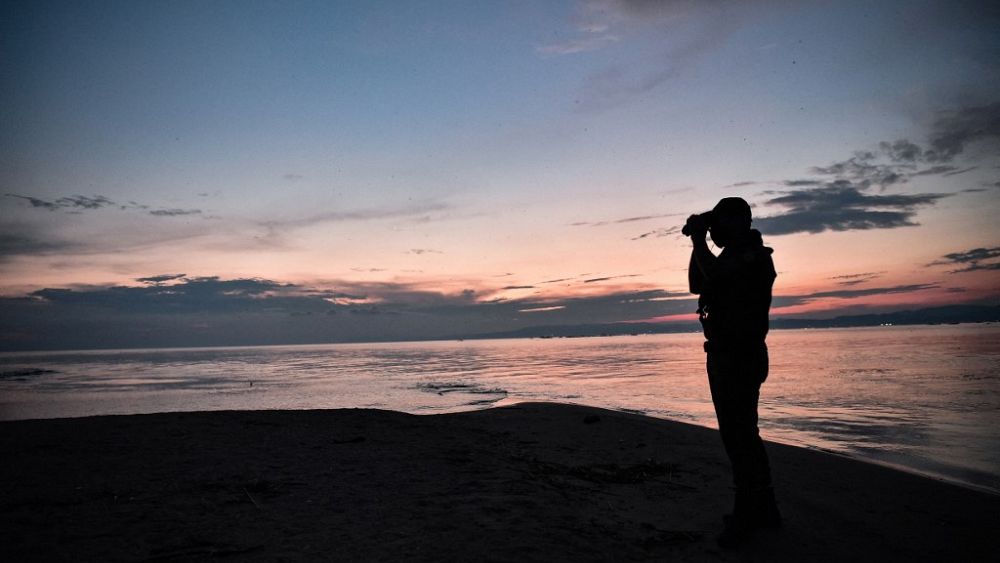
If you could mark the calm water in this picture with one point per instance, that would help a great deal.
(922, 398)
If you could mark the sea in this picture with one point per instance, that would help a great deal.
(924, 399)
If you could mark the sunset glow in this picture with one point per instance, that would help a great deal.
(462, 168)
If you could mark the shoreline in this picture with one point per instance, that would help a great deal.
(482, 338)
(509, 402)
(928, 474)
(529, 481)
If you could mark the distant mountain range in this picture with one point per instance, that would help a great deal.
(949, 314)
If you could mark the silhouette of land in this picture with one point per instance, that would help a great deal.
(529, 482)
(948, 314)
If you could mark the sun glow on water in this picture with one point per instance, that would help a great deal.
(924, 398)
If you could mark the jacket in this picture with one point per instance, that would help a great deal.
(734, 303)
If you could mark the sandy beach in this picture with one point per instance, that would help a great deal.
(529, 482)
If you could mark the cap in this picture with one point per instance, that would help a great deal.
(733, 207)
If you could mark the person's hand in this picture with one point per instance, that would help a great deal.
(696, 226)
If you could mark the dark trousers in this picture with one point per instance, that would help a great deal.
(735, 377)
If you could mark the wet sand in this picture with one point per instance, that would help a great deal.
(529, 482)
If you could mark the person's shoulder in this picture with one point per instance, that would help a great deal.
(756, 262)
(756, 255)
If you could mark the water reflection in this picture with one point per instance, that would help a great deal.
(924, 397)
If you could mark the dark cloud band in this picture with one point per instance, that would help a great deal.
(841, 206)
(971, 260)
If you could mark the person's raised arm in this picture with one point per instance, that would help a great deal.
(706, 261)
(695, 277)
(703, 263)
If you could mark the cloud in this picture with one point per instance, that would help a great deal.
(864, 171)
(80, 202)
(590, 25)
(618, 84)
(27, 236)
(95, 202)
(19, 243)
(606, 278)
(902, 150)
(960, 171)
(174, 212)
(971, 260)
(842, 201)
(291, 177)
(790, 300)
(73, 201)
(693, 30)
(209, 310)
(935, 170)
(153, 297)
(371, 310)
(896, 162)
(623, 220)
(954, 130)
(580, 45)
(742, 184)
(156, 280)
(841, 206)
(541, 309)
(367, 214)
(176, 310)
(419, 251)
(659, 233)
(36, 202)
(856, 279)
(852, 293)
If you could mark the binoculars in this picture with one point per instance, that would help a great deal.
(703, 220)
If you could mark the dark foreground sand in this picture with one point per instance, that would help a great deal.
(531, 482)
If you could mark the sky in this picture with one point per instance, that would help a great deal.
(185, 173)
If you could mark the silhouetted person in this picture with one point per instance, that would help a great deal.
(734, 290)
